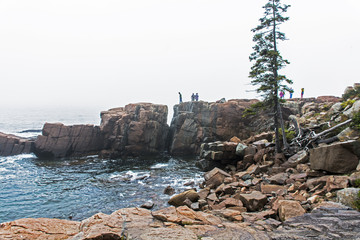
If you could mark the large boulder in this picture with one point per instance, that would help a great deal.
(178, 200)
(336, 158)
(58, 140)
(13, 145)
(134, 130)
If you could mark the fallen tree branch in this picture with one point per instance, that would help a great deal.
(331, 129)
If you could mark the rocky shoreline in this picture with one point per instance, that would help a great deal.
(249, 191)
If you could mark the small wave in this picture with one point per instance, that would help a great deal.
(130, 176)
(159, 165)
(31, 131)
(12, 159)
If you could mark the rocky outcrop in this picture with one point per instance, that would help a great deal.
(13, 145)
(58, 140)
(136, 129)
(197, 122)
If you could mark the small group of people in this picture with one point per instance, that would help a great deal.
(194, 97)
(282, 93)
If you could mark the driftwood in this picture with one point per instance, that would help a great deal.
(306, 138)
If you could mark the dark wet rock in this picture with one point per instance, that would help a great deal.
(13, 145)
(134, 130)
(58, 140)
(169, 190)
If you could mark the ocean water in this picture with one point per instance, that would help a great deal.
(77, 188)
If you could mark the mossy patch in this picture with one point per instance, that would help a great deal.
(253, 109)
(355, 124)
(348, 102)
(357, 202)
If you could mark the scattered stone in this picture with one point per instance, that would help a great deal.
(169, 190)
(336, 182)
(178, 200)
(253, 201)
(349, 197)
(279, 178)
(232, 215)
(148, 205)
(354, 179)
(215, 177)
(271, 188)
(240, 150)
(295, 160)
(288, 209)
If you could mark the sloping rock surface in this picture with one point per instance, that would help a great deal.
(322, 223)
(13, 145)
(39, 229)
(58, 140)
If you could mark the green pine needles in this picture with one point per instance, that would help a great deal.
(268, 61)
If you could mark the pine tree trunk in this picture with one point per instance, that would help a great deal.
(276, 87)
(285, 143)
(276, 123)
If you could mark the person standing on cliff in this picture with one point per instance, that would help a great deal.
(196, 97)
(192, 97)
(282, 94)
(302, 93)
(180, 97)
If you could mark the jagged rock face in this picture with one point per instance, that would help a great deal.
(197, 122)
(136, 129)
(13, 145)
(58, 140)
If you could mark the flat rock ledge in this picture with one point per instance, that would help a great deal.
(334, 221)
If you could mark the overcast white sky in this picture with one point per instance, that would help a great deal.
(104, 54)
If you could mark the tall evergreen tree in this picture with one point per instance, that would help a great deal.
(268, 61)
